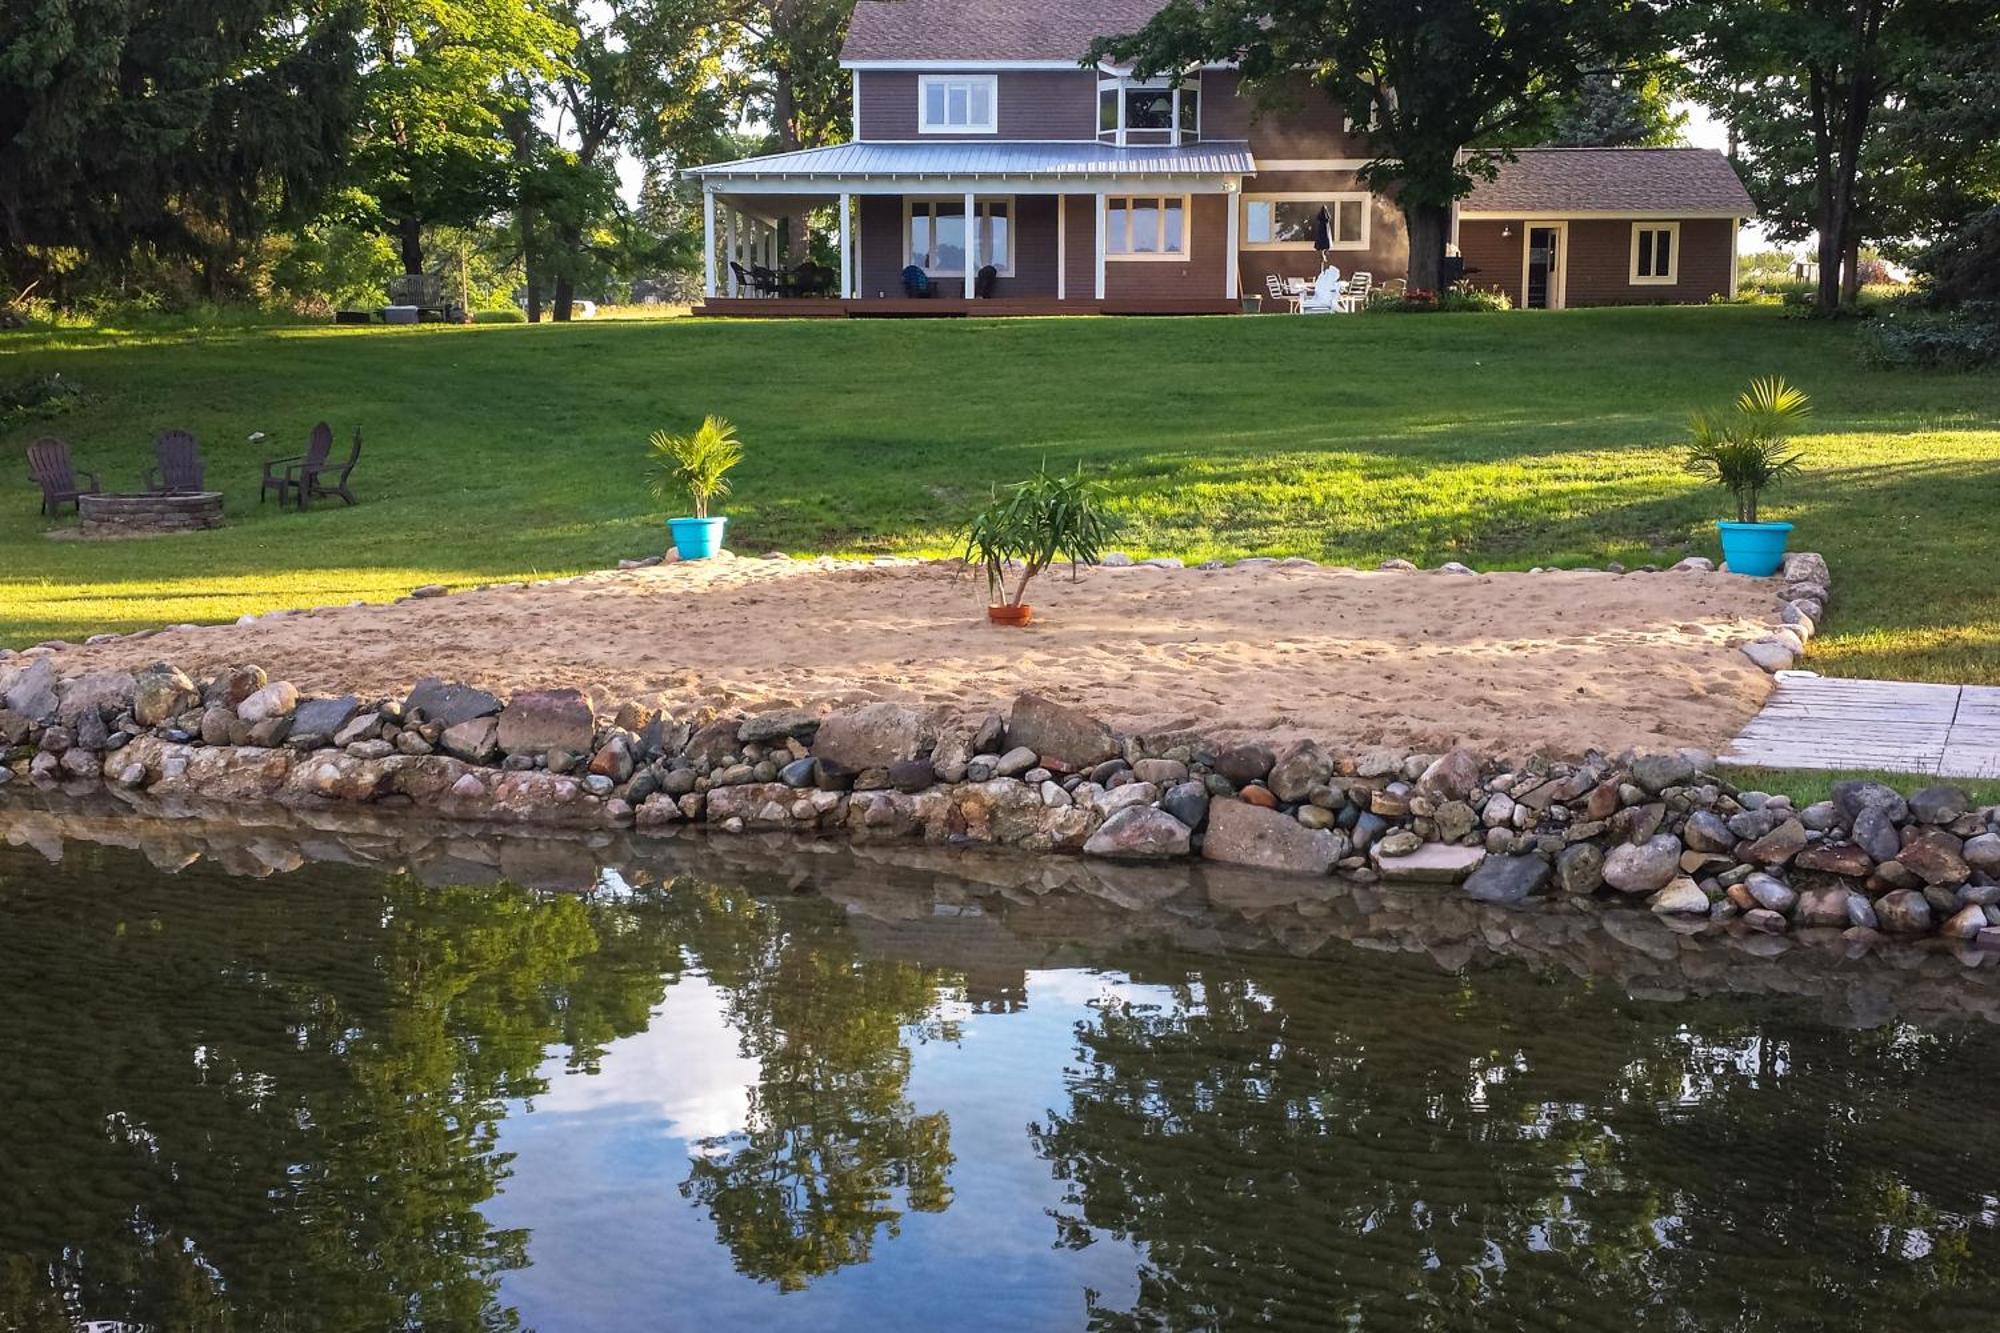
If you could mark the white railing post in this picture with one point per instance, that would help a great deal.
(1062, 247)
(1231, 283)
(846, 259)
(729, 244)
(971, 243)
(1100, 244)
(708, 242)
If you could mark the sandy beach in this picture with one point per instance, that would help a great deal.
(1506, 663)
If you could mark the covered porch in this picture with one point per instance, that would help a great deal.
(994, 229)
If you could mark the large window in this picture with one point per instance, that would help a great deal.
(1289, 221)
(1656, 252)
(1139, 112)
(958, 104)
(934, 232)
(1146, 227)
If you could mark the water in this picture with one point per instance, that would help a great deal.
(256, 1079)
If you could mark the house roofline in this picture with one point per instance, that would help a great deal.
(1564, 214)
(983, 66)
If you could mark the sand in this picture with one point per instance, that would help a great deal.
(1506, 663)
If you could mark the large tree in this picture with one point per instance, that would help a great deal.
(183, 129)
(1812, 92)
(1434, 79)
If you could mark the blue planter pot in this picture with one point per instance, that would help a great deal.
(697, 538)
(1756, 549)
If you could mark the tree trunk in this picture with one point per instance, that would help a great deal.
(565, 300)
(1429, 227)
(410, 239)
(1850, 265)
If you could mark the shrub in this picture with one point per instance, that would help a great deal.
(1743, 448)
(695, 463)
(1965, 266)
(1036, 523)
(38, 396)
(1910, 337)
(499, 317)
(1462, 298)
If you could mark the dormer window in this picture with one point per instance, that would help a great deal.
(958, 104)
(1139, 112)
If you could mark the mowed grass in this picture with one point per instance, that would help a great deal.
(503, 452)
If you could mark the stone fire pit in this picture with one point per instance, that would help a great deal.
(141, 515)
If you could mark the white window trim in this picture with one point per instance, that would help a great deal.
(1123, 84)
(1366, 200)
(992, 85)
(1180, 256)
(985, 201)
(1673, 273)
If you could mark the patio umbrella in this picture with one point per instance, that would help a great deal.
(1322, 233)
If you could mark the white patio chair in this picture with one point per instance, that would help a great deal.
(1281, 295)
(1358, 288)
(1325, 298)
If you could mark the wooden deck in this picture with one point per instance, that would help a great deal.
(1818, 722)
(946, 307)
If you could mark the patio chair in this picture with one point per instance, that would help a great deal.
(313, 481)
(282, 474)
(916, 282)
(766, 282)
(1395, 289)
(1281, 292)
(744, 282)
(1325, 297)
(51, 468)
(1358, 288)
(177, 468)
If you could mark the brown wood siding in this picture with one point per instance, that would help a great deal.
(1600, 261)
(881, 248)
(1300, 123)
(1200, 276)
(1033, 104)
(1080, 259)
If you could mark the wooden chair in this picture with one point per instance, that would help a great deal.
(51, 468)
(281, 474)
(177, 468)
(312, 481)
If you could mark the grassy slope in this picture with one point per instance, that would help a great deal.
(497, 452)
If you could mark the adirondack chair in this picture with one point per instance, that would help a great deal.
(177, 467)
(50, 467)
(312, 481)
(281, 474)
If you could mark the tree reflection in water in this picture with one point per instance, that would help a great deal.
(1368, 1143)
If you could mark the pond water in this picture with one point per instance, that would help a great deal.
(311, 1081)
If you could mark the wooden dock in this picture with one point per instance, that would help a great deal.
(1903, 727)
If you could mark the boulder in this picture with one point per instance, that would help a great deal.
(1939, 805)
(1770, 893)
(1298, 770)
(911, 775)
(1427, 863)
(1657, 772)
(1139, 833)
(234, 684)
(1508, 879)
(1875, 832)
(1580, 868)
(1067, 736)
(160, 693)
(449, 704)
(1706, 832)
(537, 721)
(105, 693)
(1681, 897)
(1249, 835)
(1854, 795)
(1904, 912)
(474, 740)
(1964, 924)
(1982, 853)
(1188, 802)
(32, 691)
(1779, 846)
(1936, 857)
(776, 725)
(1836, 859)
(1450, 777)
(1161, 773)
(1016, 762)
(1770, 654)
(1243, 764)
(1645, 867)
(874, 736)
(1823, 906)
(277, 699)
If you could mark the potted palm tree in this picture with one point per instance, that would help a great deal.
(1745, 450)
(695, 465)
(1030, 526)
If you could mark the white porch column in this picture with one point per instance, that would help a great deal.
(1231, 284)
(846, 258)
(1100, 244)
(1062, 247)
(729, 246)
(971, 243)
(708, 242)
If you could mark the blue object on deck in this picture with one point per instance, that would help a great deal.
(1756, 549)
(916, 282)
(697, 538)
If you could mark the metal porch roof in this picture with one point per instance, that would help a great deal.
(973, 158)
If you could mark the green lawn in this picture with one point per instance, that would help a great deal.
(508, 451)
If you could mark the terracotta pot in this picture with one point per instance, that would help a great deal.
(1009, 615)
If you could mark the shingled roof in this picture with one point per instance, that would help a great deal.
(976, 30)
(1613, 180)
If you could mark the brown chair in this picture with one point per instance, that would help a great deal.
(311, 481)
(177, 464)
(50, 467)
(282, 474)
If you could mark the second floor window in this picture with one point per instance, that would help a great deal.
(1133, 112)
(958, 104)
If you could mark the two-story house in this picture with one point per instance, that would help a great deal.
(981, 139)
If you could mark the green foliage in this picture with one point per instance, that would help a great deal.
(37, 396)
(695, 464)
(1964, 337)
(1965, 265)
(1614, 108)
(1743, 449)
(1032, 525)
(1458, 299)
(500, 317)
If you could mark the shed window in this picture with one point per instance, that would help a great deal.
(1656, 252)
